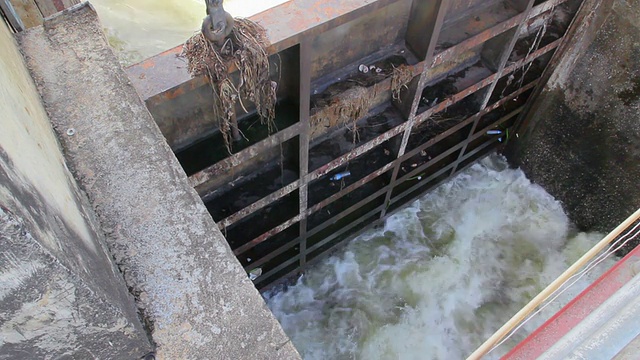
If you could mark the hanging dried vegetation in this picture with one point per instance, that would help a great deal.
(246, 48)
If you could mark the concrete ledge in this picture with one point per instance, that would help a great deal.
(196, 299)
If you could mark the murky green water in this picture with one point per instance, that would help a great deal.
(441, 276)
(138, 29)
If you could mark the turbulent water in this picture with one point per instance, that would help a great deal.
(441, 275)
(138, 29)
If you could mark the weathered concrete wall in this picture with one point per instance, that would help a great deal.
(197, 300)
(583, 137)
(60, 294)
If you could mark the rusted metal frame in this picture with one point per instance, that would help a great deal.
(316, 208)
(408, 191)
(463, 155)
(545, 6)
(498, 29)
(468, 121)
(520, 63)
(475, 151)
(272, 254)
(439, 173)
(365, 217)
(419, 29)
(420, 118)
(271, 284)
(417, 92)
(222, 166)
(415, 172)
(350, 188)
(375, 142)
(345, 229)
(476, 40)
(278, 268)
(584, 18)
(443, 135)
(504, 57)
(303, 150)
(466, 166)
(511, 68)
(231, 219)
(405, 139)
(325, 169)
(267, 200)
(497, 122)
(509, 97)
(468, 139)
(314, 261)
(265, 236)
(332, 220)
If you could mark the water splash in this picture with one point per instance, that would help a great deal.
(441, 275)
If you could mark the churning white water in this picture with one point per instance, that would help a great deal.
(441, 276)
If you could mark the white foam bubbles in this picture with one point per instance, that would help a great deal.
(441, 275)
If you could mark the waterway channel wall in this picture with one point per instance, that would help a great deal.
(580, 139)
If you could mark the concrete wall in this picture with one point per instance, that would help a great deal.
(582, 141)
(60, 293)
(197, 301)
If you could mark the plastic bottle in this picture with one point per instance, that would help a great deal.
(340, 175)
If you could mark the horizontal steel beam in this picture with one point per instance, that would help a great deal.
(286, 24)
(199, 179)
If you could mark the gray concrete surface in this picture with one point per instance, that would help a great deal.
(196, 299)
(583, 140)
(60, 293)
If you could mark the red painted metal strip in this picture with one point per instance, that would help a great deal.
(577, 310)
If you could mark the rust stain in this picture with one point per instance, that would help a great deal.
(173, 93)
(148, 64)
(59, 5)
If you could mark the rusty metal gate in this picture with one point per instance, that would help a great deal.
(473, 66)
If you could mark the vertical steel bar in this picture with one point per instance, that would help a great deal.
(441, 9)
(504, 57)
(507, 52)
(305, 93)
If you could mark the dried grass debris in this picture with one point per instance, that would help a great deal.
(346, 109)
(246, 48)
(400, 78)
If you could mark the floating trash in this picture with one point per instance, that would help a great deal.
(339, 176)
(378, 70)
(494, 132)
(255, 273)
(363, 68)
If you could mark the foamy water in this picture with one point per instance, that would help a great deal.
(441, 276)
(138, 29)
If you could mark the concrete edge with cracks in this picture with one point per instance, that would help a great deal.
(189, 284)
